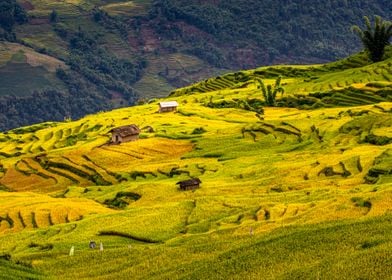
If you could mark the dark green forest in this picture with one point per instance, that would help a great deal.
(248, 33)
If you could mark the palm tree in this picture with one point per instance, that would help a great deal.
(375, 38)
(270, 92)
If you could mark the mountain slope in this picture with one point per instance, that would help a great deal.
(244, 34)
(118, 52)
(295, 191)
(20, 64)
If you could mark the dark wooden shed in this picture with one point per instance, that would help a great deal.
(190, 184)
(125, 133)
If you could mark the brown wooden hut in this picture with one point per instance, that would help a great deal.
(168, 106)
(190, 184)
(125, 133)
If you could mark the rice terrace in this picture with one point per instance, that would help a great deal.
(275, 172)
(301, 190)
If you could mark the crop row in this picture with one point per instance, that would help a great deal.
(19, 220)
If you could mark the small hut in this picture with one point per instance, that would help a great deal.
(168, 106)
(190, 184)
(125, 133)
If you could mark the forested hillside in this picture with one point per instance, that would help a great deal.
(59, 61)
(71, 58)
(244, 34)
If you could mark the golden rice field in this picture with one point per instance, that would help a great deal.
(294, 193)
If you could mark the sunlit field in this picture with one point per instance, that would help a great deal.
(302, 190)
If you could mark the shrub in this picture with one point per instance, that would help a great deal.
(360, 202)
(377, 140)
(199, 130)
(122, 200)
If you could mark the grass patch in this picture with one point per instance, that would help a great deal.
(122, 200)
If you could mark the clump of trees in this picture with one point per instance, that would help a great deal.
(375, 38)
(11, 13)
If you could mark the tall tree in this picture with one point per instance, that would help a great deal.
(270, 92)
(53, 17)
(375, 38)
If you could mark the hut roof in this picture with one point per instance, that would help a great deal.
(190, 182)
(168, 104)
(126, 130)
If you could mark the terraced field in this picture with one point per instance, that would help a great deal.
(22, 69)
(41, 212)
(287, 192)
(349, 82)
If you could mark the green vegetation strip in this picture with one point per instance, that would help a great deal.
(126, 235)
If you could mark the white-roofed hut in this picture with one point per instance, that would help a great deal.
(168, 106)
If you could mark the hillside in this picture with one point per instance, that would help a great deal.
(248, 33)
(114, 53)
(103, 63)
(301, 190)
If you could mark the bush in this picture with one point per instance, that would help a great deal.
(377, 140)
(360, 202)
(122, 200)
(199, 130)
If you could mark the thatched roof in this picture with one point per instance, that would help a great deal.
(168, 104)
(190, 182)
(126, 130)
